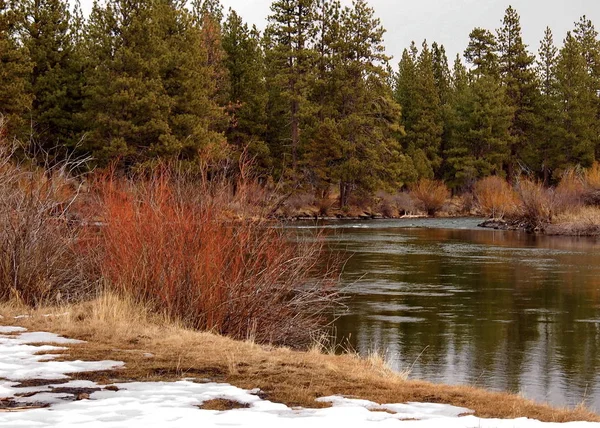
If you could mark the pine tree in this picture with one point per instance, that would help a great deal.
(56, 83)
(425, 135)
(587, 37)
(578, 115)
(359, 119)
(441, 72)
(208, 16)
(248, 93)
(417, 93)
(482, 52)
(149, 88)
(443, 83)
(547, 153)
(518, 77)
(291, 62)
(15, 68)
(480, 119)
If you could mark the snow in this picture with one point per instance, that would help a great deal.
(176, 404)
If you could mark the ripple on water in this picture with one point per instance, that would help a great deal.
(395, 319)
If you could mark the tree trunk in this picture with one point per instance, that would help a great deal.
(295, 134)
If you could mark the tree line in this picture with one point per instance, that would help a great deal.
(312, 99)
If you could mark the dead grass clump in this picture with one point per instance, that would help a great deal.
(430, 196)
(591, 178)
(42, 253)
(222, 404)
(570, 192)
(495, 198)
(167, 246)
(581, 221)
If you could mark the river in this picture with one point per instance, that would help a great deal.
(457, 304)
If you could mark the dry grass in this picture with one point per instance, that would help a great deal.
(118, 330)
(495, 198)
(581, 221)
(591, 180)
(430, 196)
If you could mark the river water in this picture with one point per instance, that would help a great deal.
(457, 304)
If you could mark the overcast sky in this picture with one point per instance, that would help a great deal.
(449, 22)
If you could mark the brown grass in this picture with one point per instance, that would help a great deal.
(430, 196)
(222, 404)
(168, 244)
(581, 221)
(495, 198)
(115, 329)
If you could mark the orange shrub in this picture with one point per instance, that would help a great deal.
(429, 195)
(168, 245)
(495, 198)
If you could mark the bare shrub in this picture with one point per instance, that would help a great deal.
(393, 204)
(404, 203)
(168, 245)
(495, 198)
(538, 203)
(43, 257)
(430, 196)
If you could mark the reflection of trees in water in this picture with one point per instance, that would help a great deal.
(498, 309)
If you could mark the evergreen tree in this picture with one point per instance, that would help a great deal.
(578, 115)
(149, 88)
(15, 68)
(587, 37)
(291, 62)
(360, 120)
(443, 83)
(56, 79)
(208, 15)
(480, 120)
(248, 94)
(417, 93)
(518, 77)
(441, 72)
(481, 52)
(547, 150)
(425, 136)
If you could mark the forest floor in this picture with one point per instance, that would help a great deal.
(128, 368)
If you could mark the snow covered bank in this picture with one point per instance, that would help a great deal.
(176, 404)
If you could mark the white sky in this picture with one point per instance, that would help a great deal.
(449, 22)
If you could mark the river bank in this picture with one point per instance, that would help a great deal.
(154, 350)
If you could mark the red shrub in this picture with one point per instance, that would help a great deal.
(168, 244)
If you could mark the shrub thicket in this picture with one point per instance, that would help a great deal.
(430, 196)
(167, 244)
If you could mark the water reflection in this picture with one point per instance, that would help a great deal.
(460, 305)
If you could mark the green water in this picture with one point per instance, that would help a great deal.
(461, 305)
